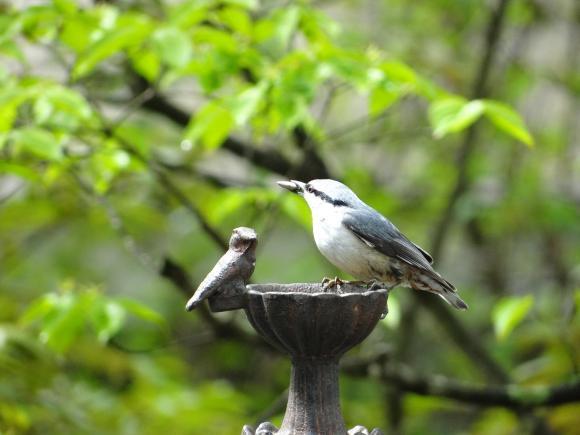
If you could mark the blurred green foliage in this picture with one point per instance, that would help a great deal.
(129, 128)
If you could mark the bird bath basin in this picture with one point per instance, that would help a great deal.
(315, 327)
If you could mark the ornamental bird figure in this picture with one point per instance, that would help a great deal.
(360, 241)
(233, 270)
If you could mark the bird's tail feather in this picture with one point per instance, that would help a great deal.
(453, 299)
(432, 282)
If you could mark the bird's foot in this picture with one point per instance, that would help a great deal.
(328, 284)
(375, 285)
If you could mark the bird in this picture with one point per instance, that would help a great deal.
(232, 271)
(360, 241)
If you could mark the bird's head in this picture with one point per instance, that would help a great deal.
(243, 238)
(322, 193)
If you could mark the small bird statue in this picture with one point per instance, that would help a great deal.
(232, 272)
(360, 241)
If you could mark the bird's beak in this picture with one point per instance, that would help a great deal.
(293, 186)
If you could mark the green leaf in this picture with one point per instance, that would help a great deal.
(68, 7)
(62, 318)
(24, 171)
(173, 46)
(38, 141)
(244, 105)
(129, 31)
(381, 98)
(453, 114)
(351, 69)
(507, 120)
(40, 308)
(399, 72)
(509, 313)
(236, 19)
(279, 27)
(108, 318)
(11, 97)
(216, 38)
(141, 311)
(42, 109)
(187, 14)
(70, 101)
(210, 126)
(79, 31)
(146, 63)
(248, 4)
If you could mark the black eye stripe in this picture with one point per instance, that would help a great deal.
(325, 197)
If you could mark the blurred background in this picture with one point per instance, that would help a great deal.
(136, 134)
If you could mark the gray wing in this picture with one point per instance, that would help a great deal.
(380, 234)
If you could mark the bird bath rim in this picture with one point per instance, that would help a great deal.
(261, 289)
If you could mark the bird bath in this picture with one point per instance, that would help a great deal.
(315, 327)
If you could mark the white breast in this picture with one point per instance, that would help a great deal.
(342, 248)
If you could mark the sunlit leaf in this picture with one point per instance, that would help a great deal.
(40, 308)
(188, 13)
(210, 126)
(129, 31)
(23, 171)
(37, 141)
(79, 31)
(108, 317)
(70, 101)
(381, 98)
(509, 313)
(453, 114)
(236, 19)
(65, 6)
(141, 311)
(248, 4)
(245, 104)
(173, 46)
(63, 319)
(507, 120)
(146, 63)
(279, 28)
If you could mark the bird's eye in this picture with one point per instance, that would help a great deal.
(309, 188)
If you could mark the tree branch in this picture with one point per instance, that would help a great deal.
(173, 190)
(267, 159)
(509, 396)
(469, 343)
(479, 90)
(311, 167)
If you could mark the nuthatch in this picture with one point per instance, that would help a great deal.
(360, 241)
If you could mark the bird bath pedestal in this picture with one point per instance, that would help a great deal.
(315, 326)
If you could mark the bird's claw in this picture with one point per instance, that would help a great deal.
(328, 284)
(375, 285)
